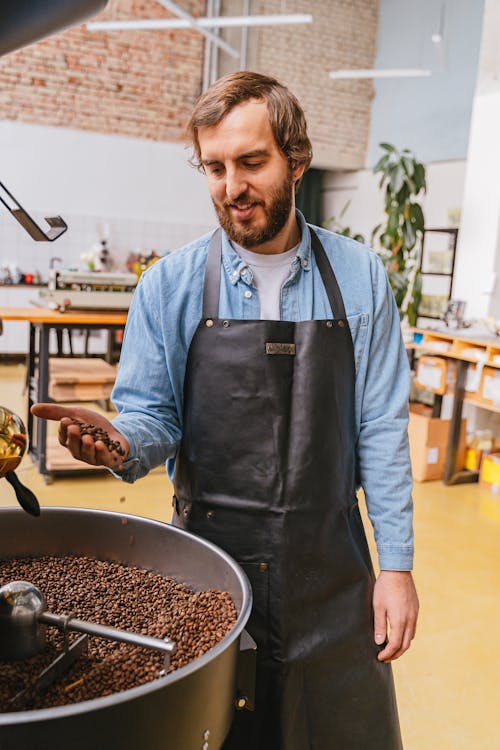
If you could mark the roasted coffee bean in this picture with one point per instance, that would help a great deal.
(119, 596)
(98, 433)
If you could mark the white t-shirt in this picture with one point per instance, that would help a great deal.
(269, 274)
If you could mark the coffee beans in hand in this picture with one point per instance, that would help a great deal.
(98, 433)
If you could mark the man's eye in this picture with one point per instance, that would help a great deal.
(216, 170)
(253, 164)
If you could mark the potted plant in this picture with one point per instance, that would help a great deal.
(403, 178)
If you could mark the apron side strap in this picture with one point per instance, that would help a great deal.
(328, 277)
(211, 288)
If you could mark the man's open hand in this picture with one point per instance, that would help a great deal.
(85, 447)
(395, 603)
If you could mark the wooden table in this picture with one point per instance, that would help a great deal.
(42, 320)
(454, 345)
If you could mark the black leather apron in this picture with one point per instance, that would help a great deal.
(266, 470)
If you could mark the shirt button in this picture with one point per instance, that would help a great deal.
(248, 294)
(305, 263)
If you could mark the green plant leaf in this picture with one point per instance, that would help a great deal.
(409, 165)
(382, 163)
(417, 215)
(409, 235)
(387, 147)
(386, 240)
(419, 178)
(393, 221)
(397, 178)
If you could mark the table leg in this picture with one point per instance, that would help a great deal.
(451, 476)
(30, 382)
(43, 395)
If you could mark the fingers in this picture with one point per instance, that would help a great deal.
(395, 606)
(52, 411)
(394, 647)
(401, 635)
(380, 624)
(84, 448)
(57, 412)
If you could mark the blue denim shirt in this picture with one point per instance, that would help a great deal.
(163, 317)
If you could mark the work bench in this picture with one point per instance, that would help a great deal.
(53, 459)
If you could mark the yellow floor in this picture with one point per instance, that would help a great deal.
(448, 683)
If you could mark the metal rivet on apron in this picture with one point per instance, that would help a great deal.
(263, 567)
(329, 323)
(206, 734)
(185, 512)
(210, 513)
(209, 323)
(225, 323)
(341, 324)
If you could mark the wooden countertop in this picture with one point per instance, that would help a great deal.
(71, 317)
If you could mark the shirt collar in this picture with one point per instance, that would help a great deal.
(235, 267)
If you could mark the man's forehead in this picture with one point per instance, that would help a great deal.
(245, 129)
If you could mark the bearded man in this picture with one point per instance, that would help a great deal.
(264, 363)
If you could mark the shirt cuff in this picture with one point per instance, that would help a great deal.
(395, 558)
(128, 472)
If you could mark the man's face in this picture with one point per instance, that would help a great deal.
(250, 181)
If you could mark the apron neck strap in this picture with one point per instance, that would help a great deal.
(211, 289)
(328, 277)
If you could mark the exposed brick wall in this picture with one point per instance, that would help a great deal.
(342, 35)
(137, 83)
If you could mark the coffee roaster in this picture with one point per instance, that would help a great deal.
(88, 290)
(188, 709)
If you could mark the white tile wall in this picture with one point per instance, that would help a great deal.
(125, 236)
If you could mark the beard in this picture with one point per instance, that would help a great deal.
(276, 209)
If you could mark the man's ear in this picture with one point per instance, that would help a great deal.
(298, 171)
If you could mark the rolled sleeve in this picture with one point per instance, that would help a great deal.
(143, 394)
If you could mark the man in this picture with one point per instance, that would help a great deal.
(264, 362)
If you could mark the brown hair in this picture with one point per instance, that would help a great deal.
(286, 116)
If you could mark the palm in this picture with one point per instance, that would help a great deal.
(88, 435)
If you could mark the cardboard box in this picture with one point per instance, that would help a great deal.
(429, 442)
(431, 374)
(490, 470)
(490, 386)
(436, 374)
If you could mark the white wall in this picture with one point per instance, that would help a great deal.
(479, 242)
(147, 192)
(430, 116)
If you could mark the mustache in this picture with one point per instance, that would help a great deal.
(243, 198)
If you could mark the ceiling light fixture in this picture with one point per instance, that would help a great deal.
(217, 22)
(380, 73)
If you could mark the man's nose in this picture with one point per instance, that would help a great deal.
(236, 184)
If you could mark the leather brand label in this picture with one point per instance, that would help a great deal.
(280, 348)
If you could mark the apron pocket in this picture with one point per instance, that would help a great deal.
(258, 624)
